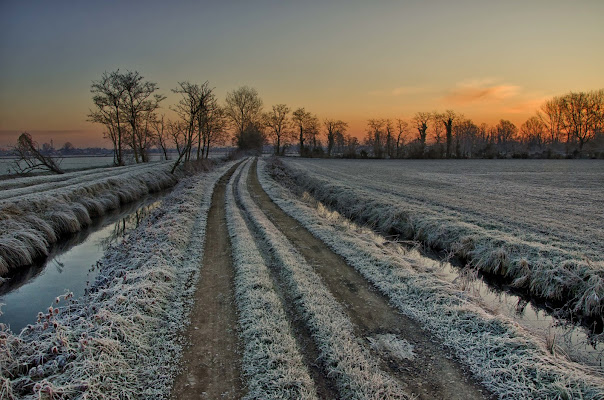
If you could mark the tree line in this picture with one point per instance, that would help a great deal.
(562, 127)
(128, 106)
(571, 125)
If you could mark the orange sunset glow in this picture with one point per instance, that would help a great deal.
(345, 60)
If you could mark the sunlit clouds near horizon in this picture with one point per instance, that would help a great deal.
(348, 60)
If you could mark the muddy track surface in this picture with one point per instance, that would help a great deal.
(211, 362)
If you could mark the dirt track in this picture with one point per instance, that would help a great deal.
(212, 362)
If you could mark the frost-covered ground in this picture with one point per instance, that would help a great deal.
(7, 165)
(354, 371)
(503, 356)
(36, 211)
(120, 340)
(538, 222)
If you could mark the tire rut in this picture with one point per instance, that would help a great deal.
(212, 361)
(326, 389)
(431, 373)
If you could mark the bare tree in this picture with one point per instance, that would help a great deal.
(375, 136)
(421, 120)
(140, 102)
(533, 132)
(448, 118)
(506, 132)
(178, 132)
(124, 104)
(160, 135)
(301, 118)
(582, 116)
(108, 95)
(402, 131)
(551, 115)
(277, 123)
(213, 126)
(334, 129)
(193, 103)
(312, 131)
(351, 146)
(31, 157)
(340, 142)
(389, 130)
(466, 135)
(244, 110)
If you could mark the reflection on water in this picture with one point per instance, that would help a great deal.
(70, 265)
(560, 336)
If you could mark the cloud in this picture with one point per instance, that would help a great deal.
(528, 106)
(480, 91)
(400, 91)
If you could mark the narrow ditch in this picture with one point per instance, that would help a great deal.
(326, 388)
(211, 363)
(70, 264)
(432, 373)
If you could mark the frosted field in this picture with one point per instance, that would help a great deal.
(68, 163)
(76, 163)
(36, 211)
(539, 222)
(124, 337)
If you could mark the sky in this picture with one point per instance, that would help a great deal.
(349, 60)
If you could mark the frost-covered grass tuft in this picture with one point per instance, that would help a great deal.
(272, 364)
(351, 366)
(393, 347)
(553, 267)
(33, 217)
(504, 357)
(120, 340)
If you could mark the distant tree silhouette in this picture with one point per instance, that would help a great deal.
(160, 134)
(402, 127)
(140, 102)
(278, 124)
(533, 132)
(124, 104)
(582, 116)
(506, 132)
(252, 138)
(244, 110)
(421, 120)
(193, 107)
(302, 119)
(375, 136)
(448, 118)
(334, 129)
(213, 123)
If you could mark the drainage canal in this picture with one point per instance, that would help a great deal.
(70, 265)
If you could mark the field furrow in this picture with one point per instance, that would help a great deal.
(51, 185)
(505, 358)
(505, 230)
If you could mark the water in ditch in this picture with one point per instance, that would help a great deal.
(560, 336)
(69, 266)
